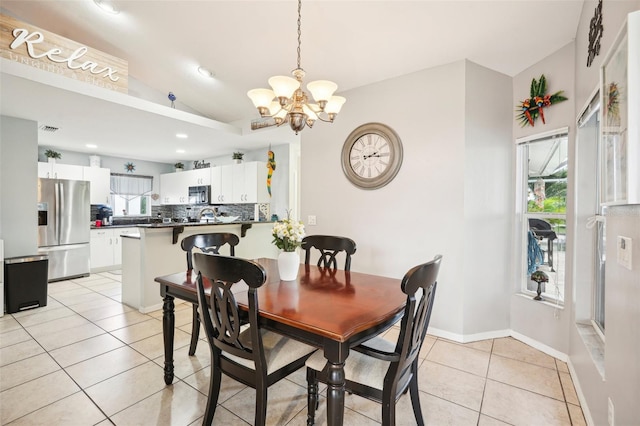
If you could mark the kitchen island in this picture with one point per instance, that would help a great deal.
(156, 251)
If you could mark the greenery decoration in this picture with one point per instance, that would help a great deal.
(288, 234)
(178, 165)
(237, 155)
(533, 107)
(52, 154)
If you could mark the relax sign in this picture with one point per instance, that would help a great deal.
(49, 52)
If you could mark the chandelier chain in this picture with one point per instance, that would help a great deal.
(299, 31)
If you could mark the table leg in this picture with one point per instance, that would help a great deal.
(168, 324)
(335, 393)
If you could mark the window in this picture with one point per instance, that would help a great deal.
(130, 194)
(542, 199)
(590, 154)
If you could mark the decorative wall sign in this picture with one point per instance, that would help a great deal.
(533, 107)
(29, 45)
(595, 34)
(129, 167)
(201, 165)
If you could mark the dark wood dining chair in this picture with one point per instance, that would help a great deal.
(253, 356)
(382, 370)
(207, 243)
(329, 247)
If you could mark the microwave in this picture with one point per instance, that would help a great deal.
(199, 194)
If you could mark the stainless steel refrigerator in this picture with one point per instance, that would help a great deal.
(63, 226)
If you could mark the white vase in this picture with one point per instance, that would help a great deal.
(51, 160)
(288, 265)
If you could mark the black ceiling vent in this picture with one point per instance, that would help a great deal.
(46, 128)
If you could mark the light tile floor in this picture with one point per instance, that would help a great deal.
(87, 359)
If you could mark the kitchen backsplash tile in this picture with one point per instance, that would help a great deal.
(180, 212)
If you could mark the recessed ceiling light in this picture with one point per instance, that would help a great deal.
(106, 6)
(182, 135)
(205, 72)
(91, 145)
(180, 151)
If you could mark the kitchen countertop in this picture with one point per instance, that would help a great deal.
(176, 224)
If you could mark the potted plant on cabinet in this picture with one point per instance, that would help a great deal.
(52, 155)
(237, 157)
(179, 167)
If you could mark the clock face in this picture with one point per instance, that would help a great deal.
(371, 156)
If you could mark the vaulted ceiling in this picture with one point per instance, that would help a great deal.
(353, 43)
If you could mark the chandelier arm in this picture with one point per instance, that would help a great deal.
(326, 120)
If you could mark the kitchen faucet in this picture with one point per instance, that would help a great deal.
(209, 209)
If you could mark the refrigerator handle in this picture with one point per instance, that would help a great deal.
(59, 200)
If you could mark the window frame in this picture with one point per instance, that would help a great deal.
(523, 215)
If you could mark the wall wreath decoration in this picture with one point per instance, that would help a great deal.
(533, 107)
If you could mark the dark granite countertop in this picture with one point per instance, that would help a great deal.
(176, 224)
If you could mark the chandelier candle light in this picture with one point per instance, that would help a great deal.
(287, 102)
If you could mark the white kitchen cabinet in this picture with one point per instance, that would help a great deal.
(101, 246)
(250, 183)
(100, 178)
(106, 247)
(174, 188)
(239, 183)
(197, 177)
(117, 242)
(222, 184)
(59, 171)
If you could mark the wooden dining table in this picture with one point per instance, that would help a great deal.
(333, 310)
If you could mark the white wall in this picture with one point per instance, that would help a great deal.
(422, 212)
(622, 317)
(488, 200)
(614, 13)
(18, 186)
(621, 382)
(545, 323)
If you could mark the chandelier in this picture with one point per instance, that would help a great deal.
(286, 102)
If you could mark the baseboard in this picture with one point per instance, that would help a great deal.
(467, 338)
(540, 346)
(147, 309)
(497, 334)
(581, 397)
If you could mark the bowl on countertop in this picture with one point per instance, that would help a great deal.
(227, 219)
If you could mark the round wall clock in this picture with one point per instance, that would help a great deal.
(371, 155)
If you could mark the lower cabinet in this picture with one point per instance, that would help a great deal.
(106, 247)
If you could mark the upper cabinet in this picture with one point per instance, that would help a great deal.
(250, 183)
(100, 178)
(239, 183)
(197, 177)
(222, 184)
(174, 188)
(59, 171)
(230, 184)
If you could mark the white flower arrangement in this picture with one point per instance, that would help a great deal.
(288, 234)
